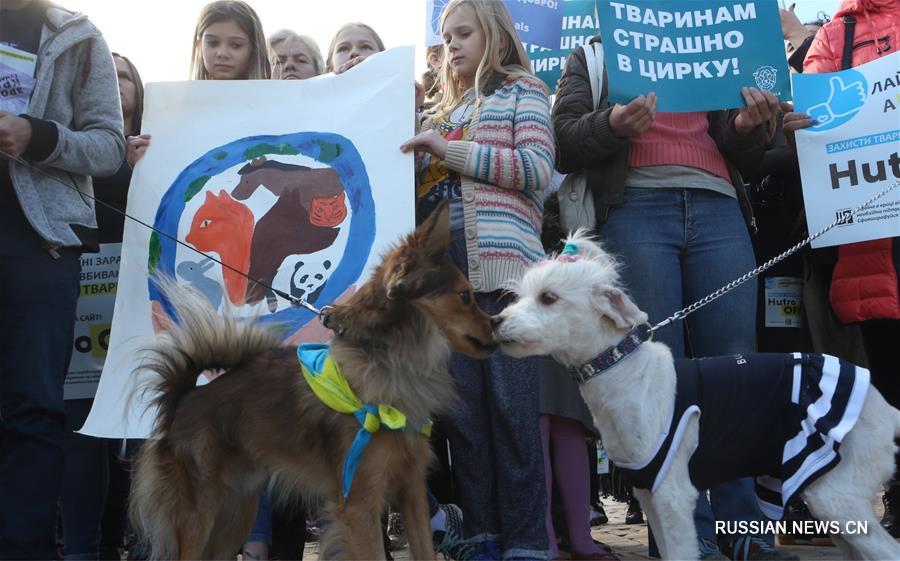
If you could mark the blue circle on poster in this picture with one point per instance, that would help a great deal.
(333, 150)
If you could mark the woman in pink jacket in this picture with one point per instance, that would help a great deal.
(865, 286)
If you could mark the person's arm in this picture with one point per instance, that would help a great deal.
(821, 57)
(528, 165)
(799, 55)
(583, 134)
(93, 143)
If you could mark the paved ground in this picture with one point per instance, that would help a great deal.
(630, 541)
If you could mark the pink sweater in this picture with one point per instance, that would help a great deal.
(680, 139)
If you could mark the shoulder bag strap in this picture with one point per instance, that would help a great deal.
(849, 32)
(593, 59)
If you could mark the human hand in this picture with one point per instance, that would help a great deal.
(792, 28)
(761, 106)
(15, 134)
(135, 146)
(349, 64)
(635, 118)
(429, 141)
(793, 122)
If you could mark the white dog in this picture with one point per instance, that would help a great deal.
(574, 309)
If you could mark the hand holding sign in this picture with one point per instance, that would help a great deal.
(761, 106)
(635, 118)
(843, 100)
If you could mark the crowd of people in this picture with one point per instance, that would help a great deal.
(677, 197)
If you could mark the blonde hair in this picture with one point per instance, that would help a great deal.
(375, 37)
(243, 15)
(508, 61)
(284, 35)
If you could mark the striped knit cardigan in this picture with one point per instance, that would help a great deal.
(506, 163)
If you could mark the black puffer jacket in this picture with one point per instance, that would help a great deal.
(585, 140)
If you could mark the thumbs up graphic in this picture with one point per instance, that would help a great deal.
(843, 100)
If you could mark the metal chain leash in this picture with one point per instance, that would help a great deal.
(681, 314)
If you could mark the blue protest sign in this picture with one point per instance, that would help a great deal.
(538, 22)
(433, 10)
(579, 25)
(695, 54)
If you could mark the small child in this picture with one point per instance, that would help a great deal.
(487, 147)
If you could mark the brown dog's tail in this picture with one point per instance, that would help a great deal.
(201, 340)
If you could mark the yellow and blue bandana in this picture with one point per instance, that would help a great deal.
(324, 376)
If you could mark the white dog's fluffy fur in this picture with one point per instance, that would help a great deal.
(576, 309)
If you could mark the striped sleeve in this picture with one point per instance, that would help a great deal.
(523, 113)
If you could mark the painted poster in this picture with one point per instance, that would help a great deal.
(851, 153)
(299, 184)
(677, 48)
(93, 320)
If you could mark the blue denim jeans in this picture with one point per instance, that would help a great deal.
(37, 318)
(677, 246)
(495, 443)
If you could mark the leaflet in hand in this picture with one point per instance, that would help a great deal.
(16, 79)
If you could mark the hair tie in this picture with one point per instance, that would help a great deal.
(570, 249)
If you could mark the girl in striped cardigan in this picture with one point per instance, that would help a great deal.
(488, 149)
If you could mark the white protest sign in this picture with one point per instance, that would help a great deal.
(851, 154)
(93, 320)
(300, 184)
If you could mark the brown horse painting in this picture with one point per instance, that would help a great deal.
(225, 226)
(311, 204)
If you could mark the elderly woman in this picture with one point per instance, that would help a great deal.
(294, 56)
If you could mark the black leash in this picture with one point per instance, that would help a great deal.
(299, 302)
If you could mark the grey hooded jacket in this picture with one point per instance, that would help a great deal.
(76, 115)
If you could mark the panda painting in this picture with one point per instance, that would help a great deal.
(309, 279)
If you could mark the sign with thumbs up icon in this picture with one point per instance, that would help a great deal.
(851, 152)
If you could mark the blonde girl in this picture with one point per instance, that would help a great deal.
(229, 44)
(352, 44)
(488, 149)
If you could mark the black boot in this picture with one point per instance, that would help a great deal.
(634, 514)
(891, 500)
(598, 514)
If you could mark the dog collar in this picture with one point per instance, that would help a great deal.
(613, 355)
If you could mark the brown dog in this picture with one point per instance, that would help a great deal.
(215, 447)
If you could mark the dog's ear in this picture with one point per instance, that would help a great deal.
(617, 306)
(433, 236)
(428, 245)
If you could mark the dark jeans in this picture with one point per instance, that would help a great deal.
(85, 485)
(37, 312)
(495, 443)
